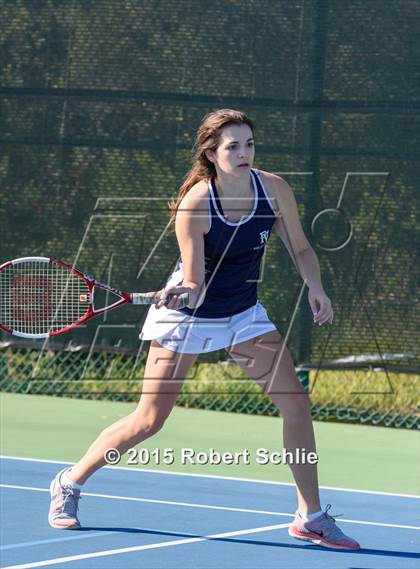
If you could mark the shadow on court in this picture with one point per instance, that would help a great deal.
(317, 548)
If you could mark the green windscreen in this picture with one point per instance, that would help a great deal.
(100, 105)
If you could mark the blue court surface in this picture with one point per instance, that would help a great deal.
(140, 518)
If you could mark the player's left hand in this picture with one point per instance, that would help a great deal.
(321, 306)
(174, 297)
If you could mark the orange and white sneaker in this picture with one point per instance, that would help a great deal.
(64, 504)
(322, 531)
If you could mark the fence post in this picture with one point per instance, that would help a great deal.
(312, 193)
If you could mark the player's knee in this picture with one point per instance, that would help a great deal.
(147, 425)
(295, 406)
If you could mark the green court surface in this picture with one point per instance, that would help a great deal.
(350, 456)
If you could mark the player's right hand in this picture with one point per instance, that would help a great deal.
(174, 297)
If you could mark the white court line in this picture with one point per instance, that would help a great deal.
(206, 506)
(81, 535)
(153, 501)
(214, 476)
(144, 547)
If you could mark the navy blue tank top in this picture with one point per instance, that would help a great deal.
(232, 254)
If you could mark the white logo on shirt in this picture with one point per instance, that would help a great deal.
(264, 236)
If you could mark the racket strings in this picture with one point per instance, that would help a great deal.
(39, 297)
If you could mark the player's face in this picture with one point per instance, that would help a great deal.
(235, 153)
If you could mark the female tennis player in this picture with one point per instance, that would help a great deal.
(223, 216)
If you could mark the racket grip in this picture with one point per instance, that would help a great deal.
(142, 298)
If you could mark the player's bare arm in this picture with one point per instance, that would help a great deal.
(289, 228)
(192, 222)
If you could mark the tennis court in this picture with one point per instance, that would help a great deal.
(202, 515)
(135, 518)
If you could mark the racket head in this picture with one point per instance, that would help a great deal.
(42, 297)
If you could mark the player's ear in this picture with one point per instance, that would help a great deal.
(209, 155)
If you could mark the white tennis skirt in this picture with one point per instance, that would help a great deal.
(187, 334)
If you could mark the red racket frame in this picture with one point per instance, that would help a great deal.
(91, 282)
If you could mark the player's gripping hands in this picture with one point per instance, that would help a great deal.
(180, 296)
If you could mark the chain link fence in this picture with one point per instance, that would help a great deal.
(369, 396)
(100, 105)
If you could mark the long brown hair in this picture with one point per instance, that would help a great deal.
(207, 138)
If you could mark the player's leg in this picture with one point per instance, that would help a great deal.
(164, 374)
(267, 360)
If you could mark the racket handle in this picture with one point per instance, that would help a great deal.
(142, 298)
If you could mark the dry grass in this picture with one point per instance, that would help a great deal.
(348, 395)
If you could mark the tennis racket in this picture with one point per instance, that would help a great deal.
(41, 297)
